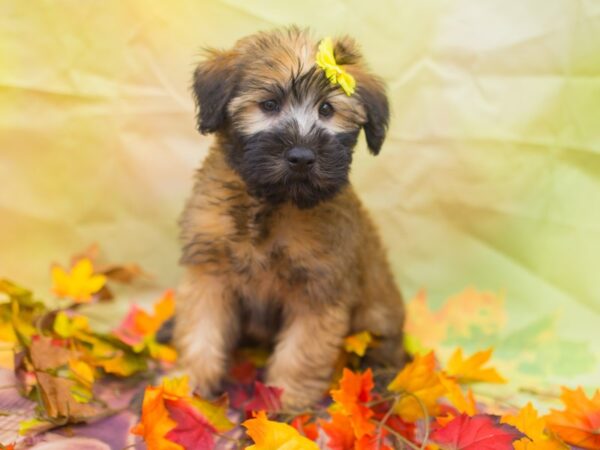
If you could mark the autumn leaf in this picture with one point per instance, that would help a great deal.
(79, 284)
(358, 343)
(305, 426)
(470, 370)
(139, 329)
(158, 351)
(139, 324)
(372, 442)
(543, 444)
(243, 372)
(421, 386)
(340, 432)
(192, 430)
(215, 412)
(155, 421)
(58, 400)
(176, 387)
(354, 392)
(270, 435)
(82, 373)
(267, 398)
(527, 421)
(49, 353)
(463, 403)
(69, 325)
(481, 432)
(579, 423)
(34, 426)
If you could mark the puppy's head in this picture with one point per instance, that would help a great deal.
(286, 129)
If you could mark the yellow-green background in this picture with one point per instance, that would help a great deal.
(490, 176)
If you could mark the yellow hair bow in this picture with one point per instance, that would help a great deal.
(335, 74)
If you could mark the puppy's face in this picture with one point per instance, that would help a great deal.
(286, 129)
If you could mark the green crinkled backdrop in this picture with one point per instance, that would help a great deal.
(490, 176)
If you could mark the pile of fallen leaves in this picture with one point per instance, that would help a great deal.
(76, 374)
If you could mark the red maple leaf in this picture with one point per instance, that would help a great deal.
(480, 432)
(244, 372)
(264, 398)
(193, 431)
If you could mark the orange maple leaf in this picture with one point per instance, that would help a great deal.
(145, 323)
(155, 421)
(339, 431)
(579, 423)
(422, 387)
(354, 392)
(470, 370)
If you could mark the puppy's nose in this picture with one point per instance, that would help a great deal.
(300, 158)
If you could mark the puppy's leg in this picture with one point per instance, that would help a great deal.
(206, 327)
(306, 352)
(385, 321)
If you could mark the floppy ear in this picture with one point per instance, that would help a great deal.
(371, 92)
(214, 84)
(369, 89)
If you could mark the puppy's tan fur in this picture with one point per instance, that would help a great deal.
(301, 278)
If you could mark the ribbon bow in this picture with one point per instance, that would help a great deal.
(335, 74)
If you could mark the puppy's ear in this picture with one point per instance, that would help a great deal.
(215, 80)
(369, 89)
(371, 92)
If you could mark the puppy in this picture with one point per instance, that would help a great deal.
(276, 245)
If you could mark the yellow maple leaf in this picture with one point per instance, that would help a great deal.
(79, 284)
(544, 444)
(176, 387)
(470, 370)
(82, 372)
(269, 435)
(527, 421)
(358, 343)
(463, 403)
(422, 387)
(530, 423)
(67, 327)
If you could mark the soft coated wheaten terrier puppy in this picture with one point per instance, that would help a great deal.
(276, 244)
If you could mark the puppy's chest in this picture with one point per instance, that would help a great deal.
(267, 243)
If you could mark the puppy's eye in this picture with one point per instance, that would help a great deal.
(326, 110)
(269, 106)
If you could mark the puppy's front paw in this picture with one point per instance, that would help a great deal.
(298, 397)
(206, 374)
(203, 360)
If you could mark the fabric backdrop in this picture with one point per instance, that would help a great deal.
(490, 176)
